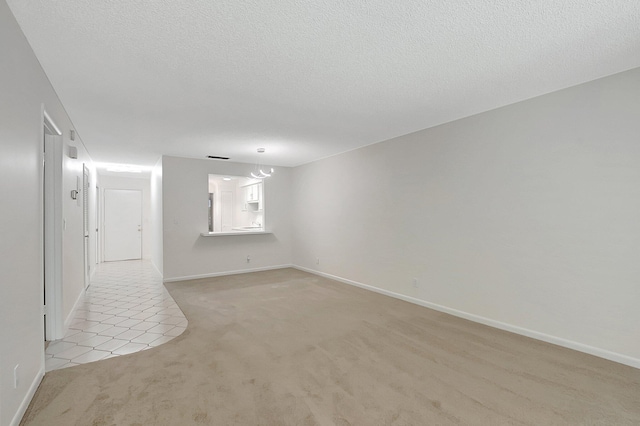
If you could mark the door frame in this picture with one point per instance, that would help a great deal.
(52, 227)
(86, 222)
(97, 223)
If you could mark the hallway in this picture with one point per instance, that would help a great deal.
(126, 309)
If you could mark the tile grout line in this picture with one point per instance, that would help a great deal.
(134, 295)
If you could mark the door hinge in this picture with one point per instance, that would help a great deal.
(44, 310)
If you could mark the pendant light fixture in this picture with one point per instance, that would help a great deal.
(259, 172)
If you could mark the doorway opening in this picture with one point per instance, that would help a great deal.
(52, 229)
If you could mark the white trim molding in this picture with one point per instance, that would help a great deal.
(17, 418)
(156, 269)
(72, 314)
(580, 347)
(49, 123)
(53, 230)
(221, 274)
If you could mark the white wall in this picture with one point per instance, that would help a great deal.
(73, 278)
(185, 216)
(156, 216)
(24, 88)
(526, 216)
(143, 184)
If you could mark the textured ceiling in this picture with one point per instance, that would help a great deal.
(308, 79)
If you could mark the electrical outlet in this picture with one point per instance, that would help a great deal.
(248, 258)
(16, 378)
(414, 282)
(317, 260)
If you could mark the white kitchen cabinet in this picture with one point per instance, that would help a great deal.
(254, 197)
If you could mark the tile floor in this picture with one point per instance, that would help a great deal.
(126, 309)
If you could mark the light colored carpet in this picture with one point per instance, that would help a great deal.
(288, 348)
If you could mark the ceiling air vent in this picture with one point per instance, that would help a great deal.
(216, 157)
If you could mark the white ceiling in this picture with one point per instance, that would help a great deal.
(308, 79)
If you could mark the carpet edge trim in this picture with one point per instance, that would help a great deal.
(223, 273)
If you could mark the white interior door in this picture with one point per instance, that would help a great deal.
(122, 224)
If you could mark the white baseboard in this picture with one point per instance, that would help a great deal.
(27, 398)
(155, 268)
(72, 314)
(602, 353)
(221, 274)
